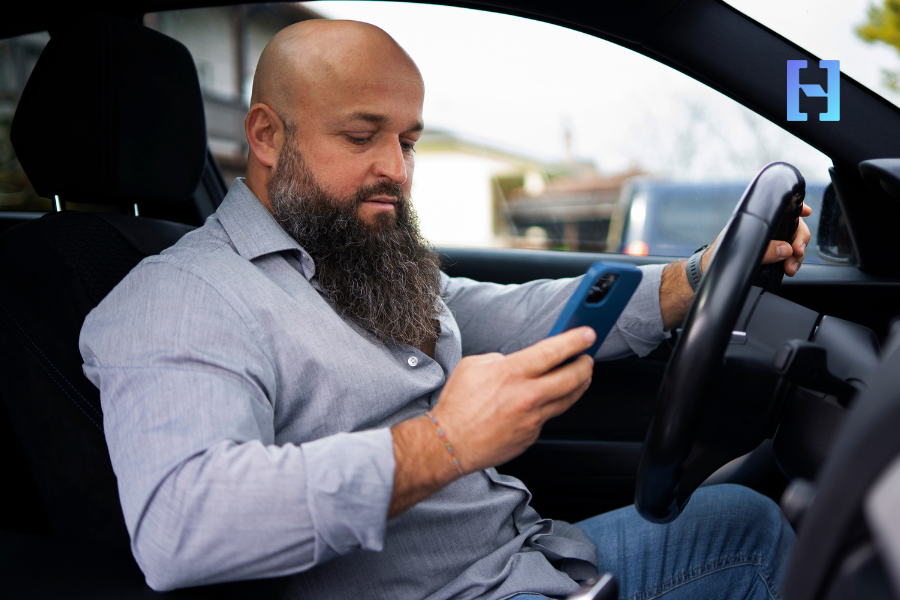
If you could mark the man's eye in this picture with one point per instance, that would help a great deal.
(358, 141)
(407, 147)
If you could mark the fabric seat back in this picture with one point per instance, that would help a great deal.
(112, 114)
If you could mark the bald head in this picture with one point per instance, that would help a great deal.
(346, 99)
(322, 55)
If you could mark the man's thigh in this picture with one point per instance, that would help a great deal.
(730, 542)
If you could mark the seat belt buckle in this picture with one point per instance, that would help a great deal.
(602, 587)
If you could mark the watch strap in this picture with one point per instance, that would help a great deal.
(694, 268)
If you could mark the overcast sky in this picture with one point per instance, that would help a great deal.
(516, 84)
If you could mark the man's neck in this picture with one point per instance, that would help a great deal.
(427, 348)
(256, 182)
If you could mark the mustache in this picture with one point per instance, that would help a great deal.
(382, 188)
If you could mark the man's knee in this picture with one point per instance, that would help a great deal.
(731, 500)
(743, 511)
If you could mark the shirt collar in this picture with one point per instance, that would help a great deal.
(253, 230)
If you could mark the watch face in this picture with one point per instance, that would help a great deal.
(601, 288)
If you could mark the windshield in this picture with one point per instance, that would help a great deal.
(864, 35)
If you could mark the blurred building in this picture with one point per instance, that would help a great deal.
(574, 208)
(226, 43)
(471, 193)
(461, 187)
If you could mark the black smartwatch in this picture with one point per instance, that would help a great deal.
(694, 269)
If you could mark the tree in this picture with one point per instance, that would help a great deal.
(883, 25)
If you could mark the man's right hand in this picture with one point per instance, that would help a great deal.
(493, 406)
(491, 409)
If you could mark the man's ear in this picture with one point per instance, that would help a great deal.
(265, 134)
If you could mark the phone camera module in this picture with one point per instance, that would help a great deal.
(601, 288)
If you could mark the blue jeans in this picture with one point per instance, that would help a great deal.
(729, 544)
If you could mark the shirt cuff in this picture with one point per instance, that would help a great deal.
(639, 329)
(349, 483)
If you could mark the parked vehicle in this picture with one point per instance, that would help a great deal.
(673, 218)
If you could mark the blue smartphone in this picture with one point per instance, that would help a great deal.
(599, 300)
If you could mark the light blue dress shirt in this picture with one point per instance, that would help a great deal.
(248, 424)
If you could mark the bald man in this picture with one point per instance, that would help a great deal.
(295, 389)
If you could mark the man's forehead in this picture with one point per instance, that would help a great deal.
(381, 119)
(384, 102)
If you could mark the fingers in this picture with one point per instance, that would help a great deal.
(564, 380)
(798, 249)
(792, 254)
(547, 354)
(558, 406)
(777, 252)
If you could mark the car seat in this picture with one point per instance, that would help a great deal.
(112, 115)
(848, 548)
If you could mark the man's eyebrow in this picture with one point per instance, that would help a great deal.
(376, 119)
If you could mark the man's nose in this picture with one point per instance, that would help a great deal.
(391, 163)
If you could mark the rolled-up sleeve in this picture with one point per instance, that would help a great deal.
(506, 318)
(207, 495)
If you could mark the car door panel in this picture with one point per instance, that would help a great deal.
(586, 459)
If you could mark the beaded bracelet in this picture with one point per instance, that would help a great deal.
(446, 443)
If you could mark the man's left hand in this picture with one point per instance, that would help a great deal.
(792, 254)
(675, 293)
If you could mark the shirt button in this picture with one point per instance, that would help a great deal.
(413, 361)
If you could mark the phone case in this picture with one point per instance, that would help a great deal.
(599, 300)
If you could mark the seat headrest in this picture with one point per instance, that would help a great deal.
(112, 114)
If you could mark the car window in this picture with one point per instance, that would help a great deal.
(18, 56)
(536, 136)
(861, 34)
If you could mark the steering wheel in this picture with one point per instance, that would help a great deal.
(769, 209)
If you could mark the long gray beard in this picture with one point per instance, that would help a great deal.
(383, 276)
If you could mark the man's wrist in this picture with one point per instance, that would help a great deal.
(675, 294)
(707, 255)
(422, 463)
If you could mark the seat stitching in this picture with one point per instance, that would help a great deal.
(51, 158)
(722, 563)
(51, 362)
(57, 371)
